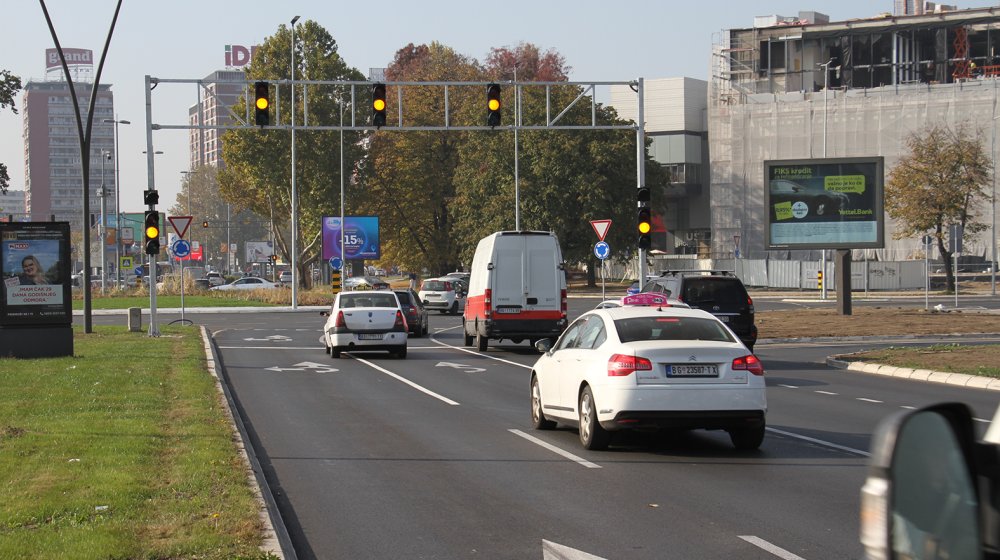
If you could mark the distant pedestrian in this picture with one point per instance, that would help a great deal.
(413, 281)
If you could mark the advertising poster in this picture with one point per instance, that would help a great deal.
(259, 251)
(361, 240)
(34, 268)
(825, 203)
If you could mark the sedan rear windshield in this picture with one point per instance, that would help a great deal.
(367, 300)
(436, 286)
(671, 328)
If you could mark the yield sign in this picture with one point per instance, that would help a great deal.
(180, 224)
(600, 228)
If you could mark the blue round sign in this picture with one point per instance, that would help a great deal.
(336, 263)
(181, 248)
(139, 271)
(602, 250)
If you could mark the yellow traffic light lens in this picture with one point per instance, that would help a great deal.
(262, 103)
(379, 104)
(645, 227)
(494, 104)
(152, 232)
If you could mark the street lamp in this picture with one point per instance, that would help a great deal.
(295, 206)
(118, 210)
(102, 230)
(826, 90)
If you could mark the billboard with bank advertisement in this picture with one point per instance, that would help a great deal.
(360, 236)
(830, 203)
(34, 271)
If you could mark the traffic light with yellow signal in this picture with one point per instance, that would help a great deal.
(493, 105)
(262, 103)
(645, 219)
(378, 105)
(151, 232)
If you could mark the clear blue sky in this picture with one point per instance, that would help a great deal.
(601, 41)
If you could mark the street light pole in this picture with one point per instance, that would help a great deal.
(118, 209)
(993, 198)
(102, 230)
(826, 90)
(295, 206)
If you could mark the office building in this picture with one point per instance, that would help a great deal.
(213, 109)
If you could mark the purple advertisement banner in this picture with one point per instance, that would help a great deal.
(361, 240)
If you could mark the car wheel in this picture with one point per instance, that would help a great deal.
(538, 420)
(327, 348)
(468, 337)
(454, 308)
(418, 331)
(481, 341)
(335, 352)
(401, 353)
(747, 438)
(592, 435)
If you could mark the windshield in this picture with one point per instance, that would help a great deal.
(671, 328)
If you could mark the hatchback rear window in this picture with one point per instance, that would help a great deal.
(720, 291)
(436, 286)
(404, 297)
(671, 328)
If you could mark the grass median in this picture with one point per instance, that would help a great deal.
(123, 450)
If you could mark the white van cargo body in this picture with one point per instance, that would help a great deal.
(517, 290)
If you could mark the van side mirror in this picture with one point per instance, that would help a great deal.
(927, 477)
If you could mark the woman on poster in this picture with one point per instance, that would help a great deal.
(31, 272)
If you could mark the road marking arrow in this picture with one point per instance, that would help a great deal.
(272, 338)
(464, 367)
(303, 366)
(555, 551)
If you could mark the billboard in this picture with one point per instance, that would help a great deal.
(34, 268)
(830, 203)
(361, 239)
(259, 251)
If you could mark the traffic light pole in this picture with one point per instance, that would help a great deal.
(640, 148)
(154, 330)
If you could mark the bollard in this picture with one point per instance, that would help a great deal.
(134, 319)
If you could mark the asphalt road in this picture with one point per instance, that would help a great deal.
(433, 456)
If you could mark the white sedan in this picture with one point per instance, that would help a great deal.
(635, 367)
(363, 321)
(248, 283)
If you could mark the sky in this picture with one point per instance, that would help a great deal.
(186, 39)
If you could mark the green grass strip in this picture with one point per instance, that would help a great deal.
(123, 450)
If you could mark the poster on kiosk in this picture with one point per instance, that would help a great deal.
(34, 268)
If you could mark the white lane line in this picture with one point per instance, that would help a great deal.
(907, 407)
(819, 441)
(826, 393)
(869, 400)
(474, 352)
(775, 550)
(441, 398)
(787, 386)
(554, 449)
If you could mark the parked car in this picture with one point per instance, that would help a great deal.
(442, 294)
(719, 292)
(363, 321)
(416, 314)
(648, 367)
(215, 278)
(365, 283)
(247, 283)
(285, 277)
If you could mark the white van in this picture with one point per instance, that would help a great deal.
(517, 290)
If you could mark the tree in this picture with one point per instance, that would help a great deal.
(939, 183)
(9, 85)
(565, 178)
(200, 199)
(257, 172)
(409, 177)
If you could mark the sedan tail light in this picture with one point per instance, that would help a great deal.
(340, 322)
(621, 365)
(400, 323)
(749, 363)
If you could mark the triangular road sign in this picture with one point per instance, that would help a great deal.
(601, 228)
(180, 224)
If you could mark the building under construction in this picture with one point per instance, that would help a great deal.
(805, 87)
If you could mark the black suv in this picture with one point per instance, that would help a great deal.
(719, 292)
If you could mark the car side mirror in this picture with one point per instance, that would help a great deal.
(921, 498)
(543, 345)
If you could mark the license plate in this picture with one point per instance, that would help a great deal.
(508, 310)
(723, 318)
(687, 370)
(369, 336)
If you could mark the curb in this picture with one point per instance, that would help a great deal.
(945, 377)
